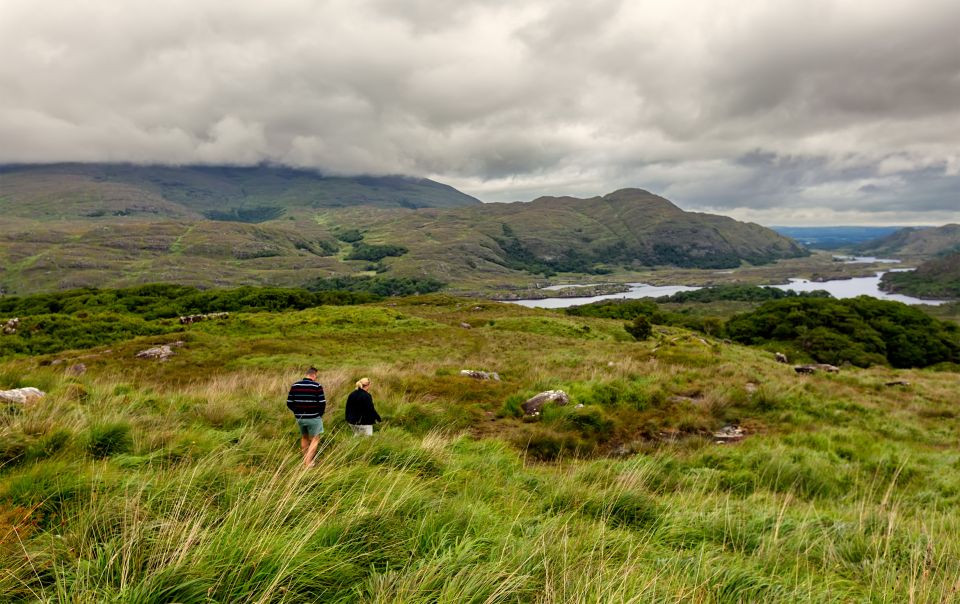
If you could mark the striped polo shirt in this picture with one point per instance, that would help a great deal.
(306, 399)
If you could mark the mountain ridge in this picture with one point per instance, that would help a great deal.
(205, 229)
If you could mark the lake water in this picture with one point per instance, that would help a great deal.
(865, 260)
(838, 288)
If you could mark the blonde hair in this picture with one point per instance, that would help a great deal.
(363, 382)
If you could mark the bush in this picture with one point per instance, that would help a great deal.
(640, 328)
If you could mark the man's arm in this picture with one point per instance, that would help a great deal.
(321, 400)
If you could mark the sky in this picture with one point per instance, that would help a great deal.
(782, 112)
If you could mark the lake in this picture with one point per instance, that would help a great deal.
(838, 288)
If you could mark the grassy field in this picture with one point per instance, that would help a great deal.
(140, 481)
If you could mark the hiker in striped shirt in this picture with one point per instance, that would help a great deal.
(308, 403)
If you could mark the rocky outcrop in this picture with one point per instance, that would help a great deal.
(21, 396)
(480, 375)
(159, 353)
(533, 405)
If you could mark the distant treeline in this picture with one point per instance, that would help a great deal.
(861, 331)
(379, 286)
(739, 293)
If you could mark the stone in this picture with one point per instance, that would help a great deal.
(480, 375)
(466, 326)
(750, 387)
(21, 396)
(533, 405)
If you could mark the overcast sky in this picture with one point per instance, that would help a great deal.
(776, 111)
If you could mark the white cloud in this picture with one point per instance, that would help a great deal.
(752, 106)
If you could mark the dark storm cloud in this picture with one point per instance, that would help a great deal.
(780, 112)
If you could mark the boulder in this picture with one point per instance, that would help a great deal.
(466, 326)
(533, 405)
(21, 396)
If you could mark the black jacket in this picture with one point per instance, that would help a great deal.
(359, 409)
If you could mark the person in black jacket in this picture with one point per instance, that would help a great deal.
(359, 409)
(307, 401)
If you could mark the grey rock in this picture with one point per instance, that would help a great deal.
(729, 434)
(480, 375)
(813, 368)
(21, 396)
(533, 405)
(159, 353)
(78, 369)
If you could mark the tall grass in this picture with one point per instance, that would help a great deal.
(151, 488)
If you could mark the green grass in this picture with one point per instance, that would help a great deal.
(179, 481)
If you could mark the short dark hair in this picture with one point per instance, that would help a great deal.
(312, 371)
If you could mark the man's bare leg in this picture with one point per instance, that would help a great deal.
(311, 451)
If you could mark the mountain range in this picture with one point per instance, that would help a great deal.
(916, 242)
(74, 225)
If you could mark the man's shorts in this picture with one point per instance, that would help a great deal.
(310, 426)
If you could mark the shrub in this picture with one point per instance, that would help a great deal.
(640, 328)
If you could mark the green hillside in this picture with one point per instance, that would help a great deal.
(96, 225)
(916, 243)
(937, 278)
(179, 481)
